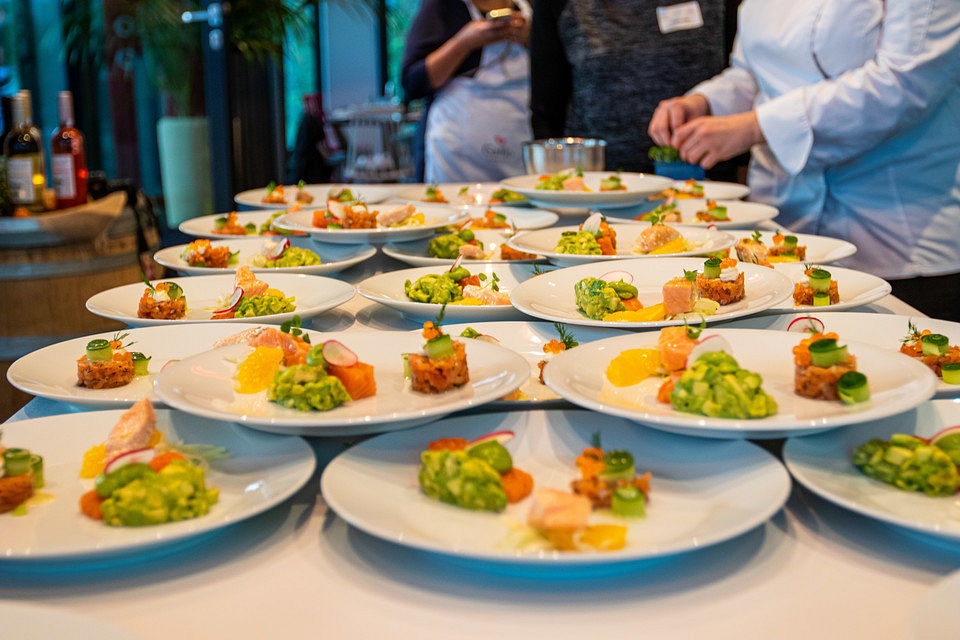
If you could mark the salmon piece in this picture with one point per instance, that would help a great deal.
(655, 236)
(674, 346)
(133, 430)
(396, 215)
(249, 283)
(679, 295)
(552, 509)
(632, 304)
(471, 252)
(663, 393)
(357, 379)
(448, 444)
(752, 251)
(14, 491)
(517, 484)
(574, 183)
(294, 348)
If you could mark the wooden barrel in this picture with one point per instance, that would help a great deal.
(43, 291)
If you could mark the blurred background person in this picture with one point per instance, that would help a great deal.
(852, 111)
(475, 74)
(600, 67)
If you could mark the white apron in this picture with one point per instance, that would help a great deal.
(476, 125)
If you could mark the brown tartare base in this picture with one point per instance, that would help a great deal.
(437, 376)
(719, 291)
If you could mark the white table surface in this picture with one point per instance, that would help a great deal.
(298, 571)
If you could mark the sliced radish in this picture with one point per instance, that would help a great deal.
(144, 456)
(456, 263)
(615, 276)
(710, 344)
(337, 209)
(168, 363)
(711, 226)
(502, 437)
(273, 250)
(337, 354)
(945, 433)
(806, 324)
(592, 223)
(232, 301)
(487, 338)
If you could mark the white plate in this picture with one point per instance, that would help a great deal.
(702, 492)
(477, 194)
(820, 249)
(51, 372)
(203, 227)
(527, 339)
(414, 252)
(716, 190)
(437, 216)
(31, 622)
(261, 472)
(204, 385)
(638, 187)
(544, 242)
(523, 218)
(314, 295)
(856, 288)
(387, 289)
(897, 384)
(822, 464)
(879, 329)
(741, 214)
(334, 257)
(937, 616)
(550, 296)
(370, 193)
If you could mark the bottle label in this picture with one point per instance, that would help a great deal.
(20, 176)
(64, 179)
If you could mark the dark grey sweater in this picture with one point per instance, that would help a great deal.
(599, 68)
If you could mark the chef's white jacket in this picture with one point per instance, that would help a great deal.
(859, 101)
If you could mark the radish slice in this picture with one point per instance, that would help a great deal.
(710, 344)
(487, 338)
(614, 276)
(337, 354)
(502, 437)
(232, 301)
(592, 224)
(949, 431)
(144, 455)
(456, 263)
(337, 209)
(273, 250)
(712, 226)
(806, 324)
(168, 363)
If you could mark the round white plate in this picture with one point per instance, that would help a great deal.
(716, 190)
(437, 216)
(897, 384)
(204, 385)
(882, 330)
(203, 227)
(822, 464)
(638, 187)
(334, 257)
(261, 472)
(702, 492)
(387, 289)
(51, 372)
(414, 252)
(544, 242)
(31, 622)
(820, 249)
(937, 616)
(523, 218)
(742, 214)
(314, 295)
(457, 194)
(550, 296)
(527, 339)
(370, 193)
(856, 288)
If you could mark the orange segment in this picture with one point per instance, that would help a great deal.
(633, 366)
(256, 372)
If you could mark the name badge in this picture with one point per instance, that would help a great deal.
(678, 17)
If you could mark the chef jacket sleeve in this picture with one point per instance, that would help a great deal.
(734, 90)
(830, 122)
(550, 73)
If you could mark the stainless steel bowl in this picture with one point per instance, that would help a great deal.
(555, 154)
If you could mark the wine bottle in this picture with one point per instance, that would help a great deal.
(68, 157)
(23, 149)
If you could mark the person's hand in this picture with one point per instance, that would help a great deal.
(711, 139)
(671, 114)
(479, 33)
(519, 29)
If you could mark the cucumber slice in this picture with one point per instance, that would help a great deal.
(99, 350)
(439, 348)
(819, 280)
(140, 364)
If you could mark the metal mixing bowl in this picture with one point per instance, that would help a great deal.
(555, 154)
